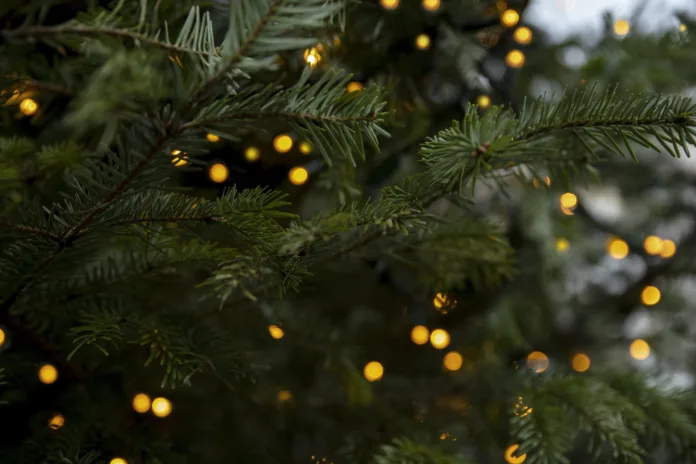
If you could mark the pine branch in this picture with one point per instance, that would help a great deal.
(48, 87)
(32, 231)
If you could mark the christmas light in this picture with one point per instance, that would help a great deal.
(161, 407)
(682, 28)
(252, 154)
(569, 200)
(650, 295)
(284, 395)
(423, 41)
(118, 461)
(452, 361)
(669, 248)
(618, 249)
(389, 4)
(653, 245)
(354, 86)
(48, 374)
(2, 337)
(212, 138)
(305, 148)
(141, 403)
(562, 245)
(312, 57)
(639, 349)
(580, 362)
(622, 27)
(440, 339)
(439, 302)
(298, 175)
(28, 107)
(56, 421)
(178, 160)
(282, 143)
(420, 335)
(510, 456)
(218, 173)
(538, 361)
(483, 101)
(276, 332)
(431, 5)
(509, 18)
(523, 35)
(521, 409)
(514, 59)
(373, 371)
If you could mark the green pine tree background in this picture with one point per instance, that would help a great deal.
(338, 231)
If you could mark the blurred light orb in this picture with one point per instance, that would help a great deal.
(28, 107)
(569, 200)
(282, 143)
(509, 18)
(141, 403)
(389, 4)
(537, 361)
(312, 57)
(523, 35)
(683, 28)
(56, 421)
(276, 332)
(453, 361)
(354, 86)
(440, 339)
(580, 362)
(212, 138)
(622, 27)
(178, 160)
(483, 101)
(423, 41)
(118, 461)
(639, 349)
(669, 248)
(650, 295)
(305, 148)
(618, 249)
(373, 371)
(431, 5)
(653, 245)
(48, 374)
(511, 457)
(514, 59)
(562, 245)
(161, 407)
(2, 337)
(420, 335)
(218, 173)
(298, 175)
(284, 395)
(252, 154)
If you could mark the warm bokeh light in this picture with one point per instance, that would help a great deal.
(538, 361)
(141, 403)
(56, 421)
(161, 407)
(178, 159)
(282, 143)
(569, 200)
(389, 4)
(440, 301)
(452, 361)
(511, 457)
(276, 332)
(354, 86)
(420, 335)
(669, 248)
(28, 107)
(48, 374)
(650, 295)
(536, 184)
(118, 461)
(284, 395)
(562, 245)
(373, 371)
(298, 175)
(514, 59)
(618, 249)
(218, 173)
(2, 337)
(423, 41)
(682, 28)
(305, 148)
(431, 5)
(510, 18)
(483, 101)
(312, 57)
(212, 138)
(440, 339)
(567, 211)
(580, 362)
(523, 35)
(653, 245)
(622, 27)
(639, 349)
(252, 154)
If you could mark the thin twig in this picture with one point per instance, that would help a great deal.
(278, 114)
(39, 85)
(30, 230)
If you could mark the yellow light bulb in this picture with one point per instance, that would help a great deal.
(252, 154)
(28, 107)
(161, 407)
(282, 143)
(622, 27)
(523, 35)
(48, 374)
(431, 5)
(682, 28)
(669, 248)
(298, 175)
(305, 148)
(56, 421)
(218, 173)
(569, 200)
(483, 101)
(618, 249)
(212, 138)
(509, 18)
(2, 337)
(538, 361)
(178, 159)
(650, 295)
(512, 458)
(639, 349)
(580, 362)
(420, 335)
(440, 339)
(276, 332)
(354, 86)
(389, 4)
(373, 371)
(284, 395)
(141, 403)
(562, 245)
(653, 245)
(118, 461)
(440, 301)
(514, 59)
(423, 41)
(453, 361)
(312, 57)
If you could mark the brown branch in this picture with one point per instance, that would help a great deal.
(30, 230)
(39, 85)
(277, 114)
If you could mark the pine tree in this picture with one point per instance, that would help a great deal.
(405, 296)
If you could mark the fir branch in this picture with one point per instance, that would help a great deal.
(33, 231)
(48, 87)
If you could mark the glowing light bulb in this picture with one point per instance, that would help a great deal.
(483, 101)
(141, 403)
(354, 86)
(282, 143)
(653, 245)
(48, 374)
(298, 175)
(423, 41)
(523, 35)
(212, 138)
(420, 335)
(252, 154)
(218, 173)
(580, 362)
(622, 27)
(373, 371)
(276, 332)
(562, 245)
(284, 395)
(682, 28)
(161, 407)
(2, 337)
(537, 361)
(440, 339)
(639, 349)
(389, 4)
(178, 159)
(569, 200)
(56, 421)
(650, 295)
(440, 301)
(305, 148)
(118, 461)
(28, 107)
(509, 18)
(514, 59)
(618, 249)
(453, 361)
(431, 5)
(669, 248)
(312, 57)
(512, 458)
